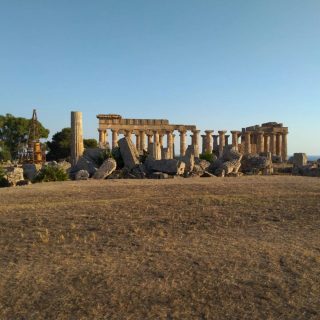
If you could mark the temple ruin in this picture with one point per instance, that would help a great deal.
(150, 133)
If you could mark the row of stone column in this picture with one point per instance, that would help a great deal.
(276, 143)
(155, 141)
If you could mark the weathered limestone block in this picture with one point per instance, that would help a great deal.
(300, 159)
(94, 154)
(14, 175)
(171, 166)
(129, 153)
(106, 169)
(82, 175)
(139, 171)
(204, 164)
(214, 166)
(231, 154)
(30, 171)
(84, 163)
(255, 163)
(189, 158)
(231, 166)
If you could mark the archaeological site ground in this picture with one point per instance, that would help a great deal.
(202, 248)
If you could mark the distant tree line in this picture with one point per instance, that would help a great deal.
(14, 133)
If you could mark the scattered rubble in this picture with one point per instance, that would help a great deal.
(82, 175)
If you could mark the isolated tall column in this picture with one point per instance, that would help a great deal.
(76, 136)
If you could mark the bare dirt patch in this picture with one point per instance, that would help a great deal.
(245, 248)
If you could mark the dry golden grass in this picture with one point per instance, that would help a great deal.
(245, 248)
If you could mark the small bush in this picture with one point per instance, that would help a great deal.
(208, 156)
(3, 180)
(51, 173)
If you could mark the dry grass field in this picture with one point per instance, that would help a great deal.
(233, 248)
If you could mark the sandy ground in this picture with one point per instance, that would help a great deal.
(232, 248)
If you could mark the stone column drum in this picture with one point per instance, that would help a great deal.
(170, 144)
(114, 138)
(196, 143)
(183, 143)
(273, 148)
(235, 139)
(142, 140)
(247, 142)
(156, 146)
(260, 142)
(222, 141)
(285, 146)
(76, 137)
(279, 145)
(266, 143)
(209, 141)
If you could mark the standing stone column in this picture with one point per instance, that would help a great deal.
(170, 144)
(279, 144)
(196, 142)
(285, 146)
(142, 140)
(102, 138)
(215, 138)
(226, 139)
(266, 143)
(260, 142)
(114, 138)
(161, 139)
(128, 134)
(235, 139)
(156, 146)
(183, 143)
(138, 142)
(76, 137)
(222, 141)
(150, 143)
(273, 140)
(173, 146)
(247, 142)
(203, 136)
(209, 141)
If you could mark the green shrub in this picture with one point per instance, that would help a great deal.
(51, 173)
(208, 156)
(3, 180)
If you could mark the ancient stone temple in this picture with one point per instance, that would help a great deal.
(149, 134)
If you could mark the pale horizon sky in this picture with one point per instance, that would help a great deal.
(214, 63)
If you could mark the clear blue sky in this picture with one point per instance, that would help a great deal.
(221, 64)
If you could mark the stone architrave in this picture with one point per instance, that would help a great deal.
(129, 153)
(76, 137)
